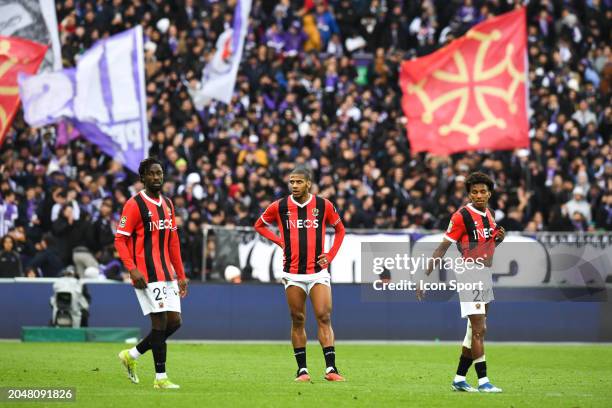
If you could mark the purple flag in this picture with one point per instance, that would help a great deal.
(103, 97)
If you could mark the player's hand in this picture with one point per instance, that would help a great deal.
(138, 279)
(420, 294)
(323, 261)
(501, 234)
(182, 284)
(430, 265)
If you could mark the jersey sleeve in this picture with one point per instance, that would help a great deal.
(456, 228)
(129, 218)
(331, 214)
(270, 214)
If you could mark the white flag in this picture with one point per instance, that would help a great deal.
(219, 75)
(33, 20)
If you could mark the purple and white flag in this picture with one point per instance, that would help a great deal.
(219, 75)
(104, 97)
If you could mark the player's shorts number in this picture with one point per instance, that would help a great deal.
(484, 295)
(158, 293)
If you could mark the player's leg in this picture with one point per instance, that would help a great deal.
(465, 361)
(159, 325)
(296, 300)
(173, 324)
(479, 328)
(320, 296)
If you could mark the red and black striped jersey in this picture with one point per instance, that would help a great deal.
(473, 231)
(302, 228)
(151, 226)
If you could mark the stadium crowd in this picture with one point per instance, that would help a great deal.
(318, 85)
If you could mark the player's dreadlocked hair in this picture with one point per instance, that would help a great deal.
(478, 178)
(145, 165)
(303, 171)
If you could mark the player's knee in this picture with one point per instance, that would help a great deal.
(478, 333)
(298, 318)
(324, 318)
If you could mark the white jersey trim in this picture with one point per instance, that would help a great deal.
(127, 234)
(152, 201)
(304, 204)
(265, 222)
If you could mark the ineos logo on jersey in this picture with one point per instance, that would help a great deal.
(485, 233)
(302, 223)
(160, 225)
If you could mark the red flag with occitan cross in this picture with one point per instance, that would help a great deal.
(16, 55)
(472, 93)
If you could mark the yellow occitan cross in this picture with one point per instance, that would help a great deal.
(463, 93)
(5, 47)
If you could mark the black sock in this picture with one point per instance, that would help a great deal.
(464, 365)
(144, 345)
(158, 345)
(300, 357)
(330, 357)
(481, 369)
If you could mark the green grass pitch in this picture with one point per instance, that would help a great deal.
(261, 375)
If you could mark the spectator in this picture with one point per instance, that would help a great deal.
(10, 263)
(579, 204)
(8, 212)
(47, 258)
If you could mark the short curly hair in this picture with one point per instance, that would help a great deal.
(145, 165)
(478, 178)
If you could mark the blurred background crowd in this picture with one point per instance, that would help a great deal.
(318, 85)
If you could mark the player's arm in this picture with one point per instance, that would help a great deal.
(332, 218)
(454, 232)
(175, 257)
(125, 229)
(266, 220)
(438, 253)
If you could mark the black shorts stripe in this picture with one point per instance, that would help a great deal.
(303, 241)
(282, 212)
(470, 229)
(162, 244)
(148, 242)
(319, 241)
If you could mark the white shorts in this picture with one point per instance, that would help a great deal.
(159, 297)
(472, 308)
(306, 282)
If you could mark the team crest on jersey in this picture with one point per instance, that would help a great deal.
(288, 213)
(150, 214)
(123, 221)
(315, 212)
(161, 304)
(450, 227)
(475, 223)
(477, 305)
